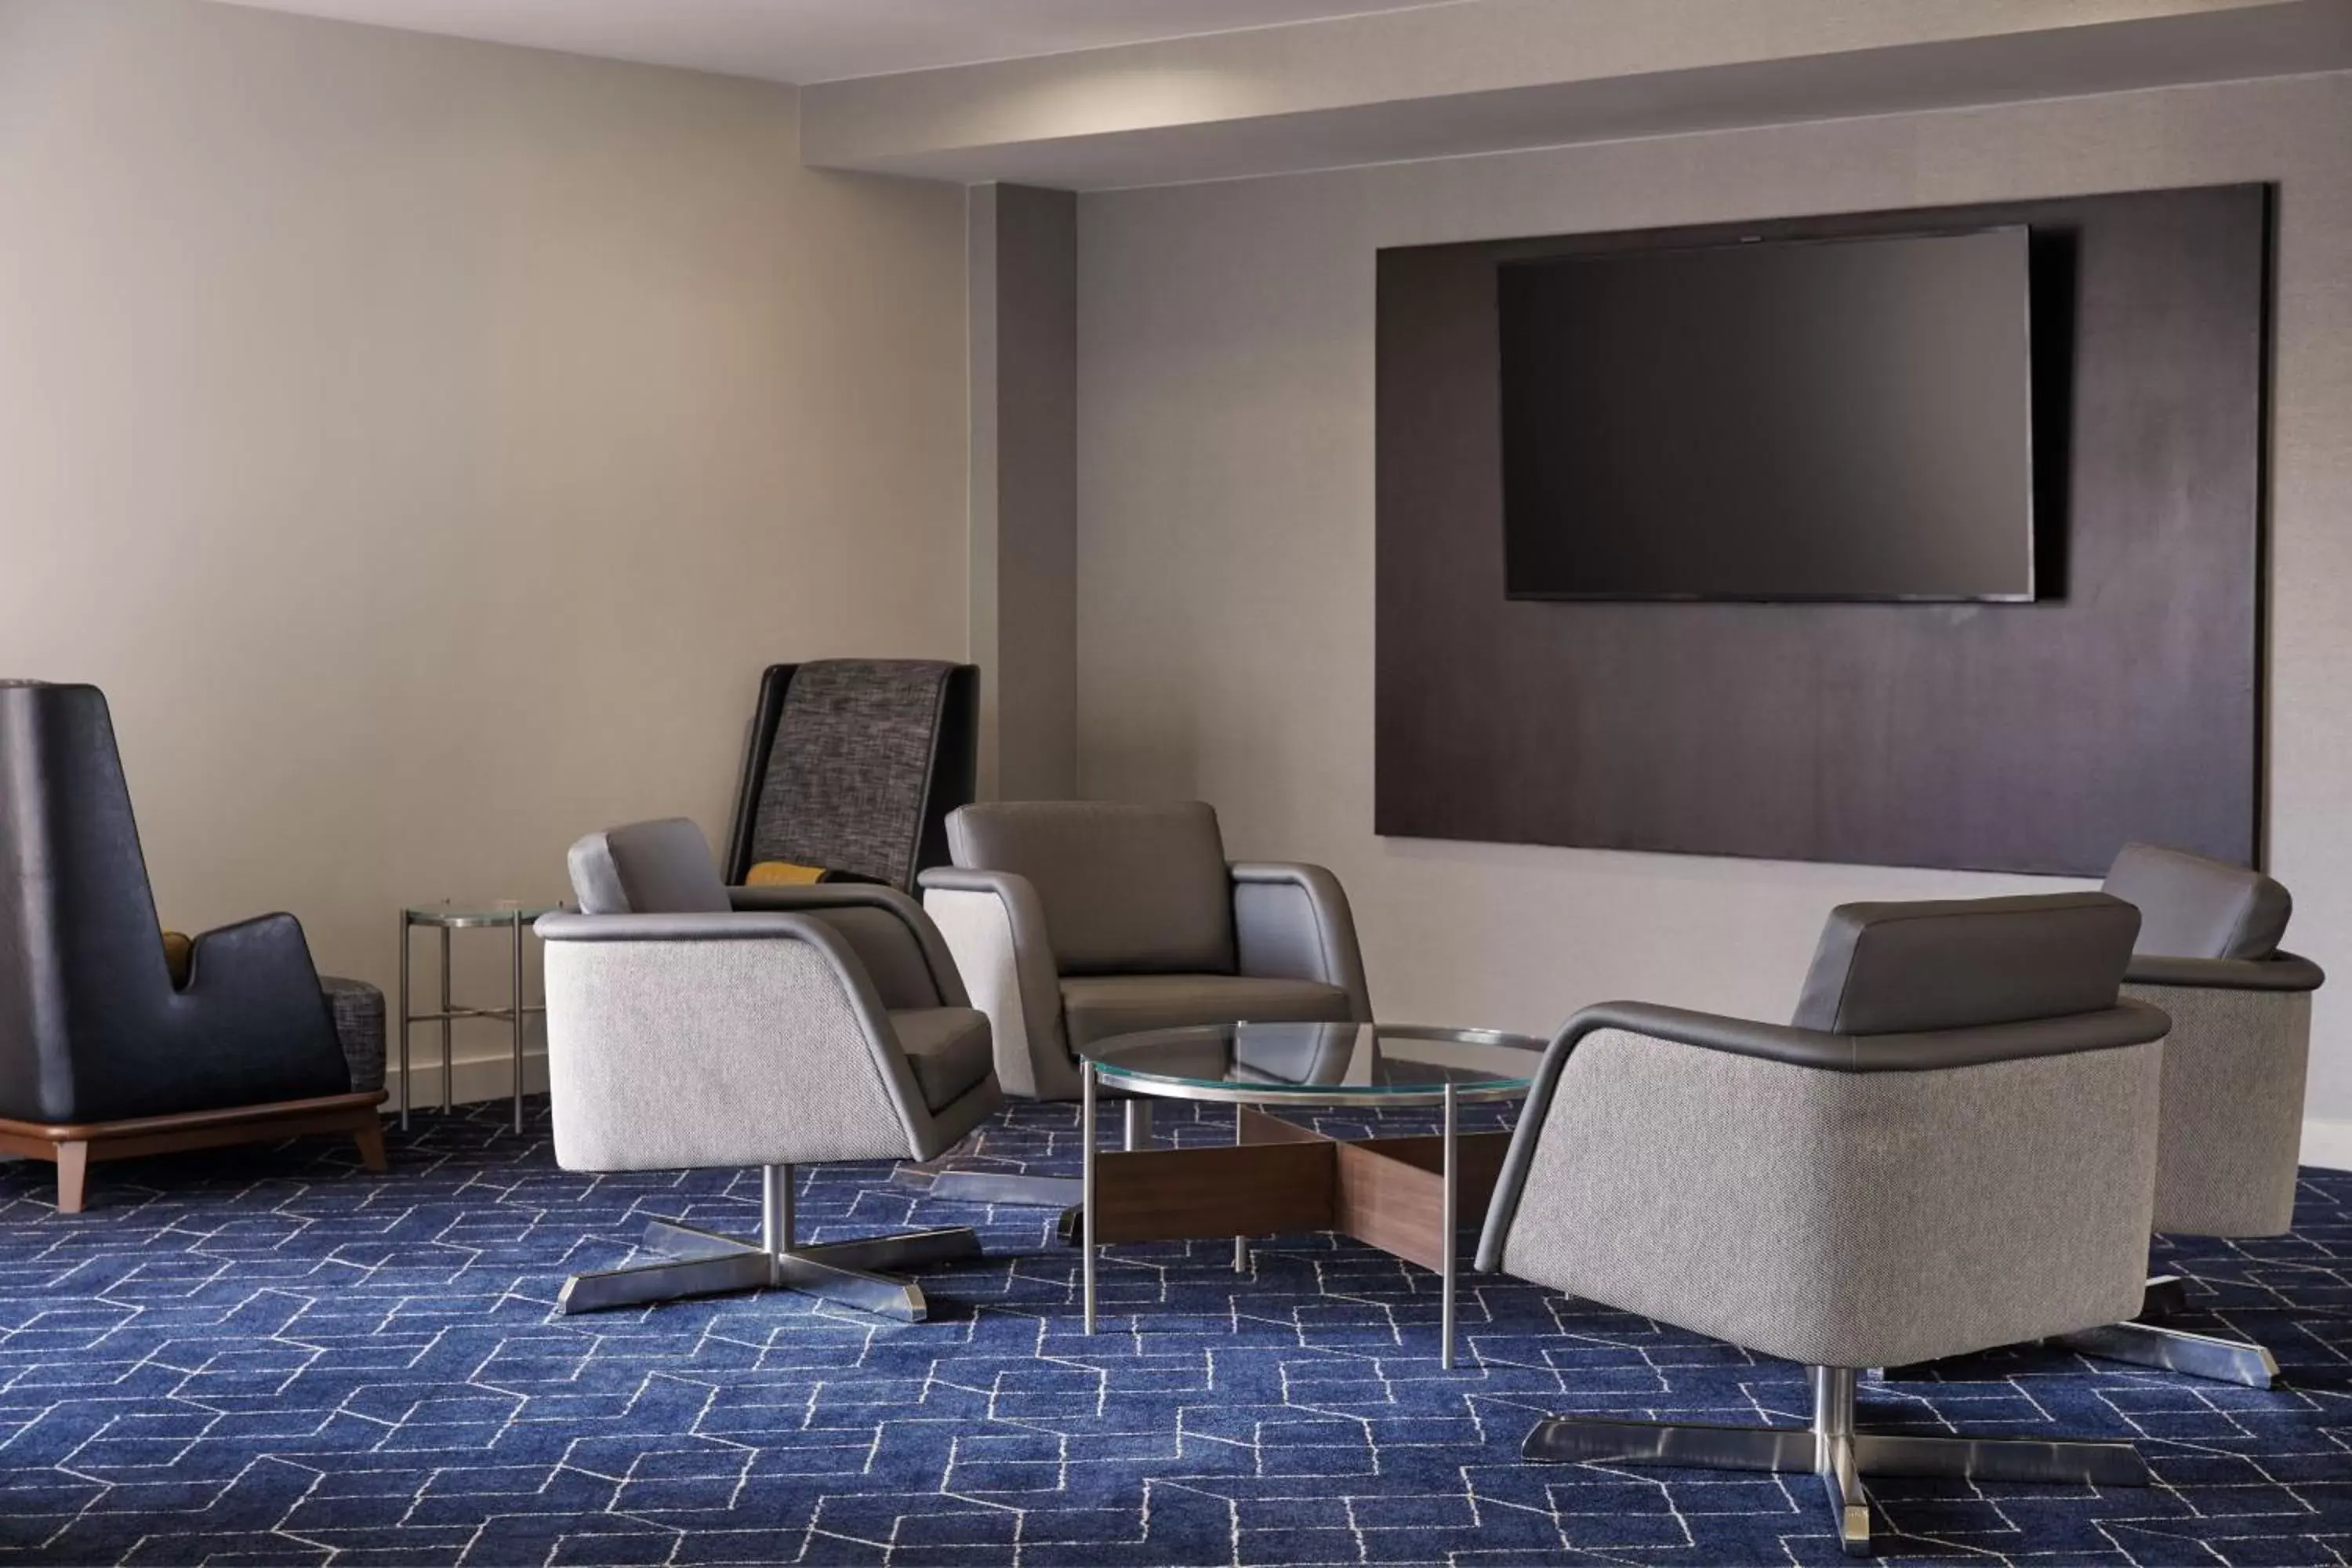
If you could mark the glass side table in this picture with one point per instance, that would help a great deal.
(511, 918)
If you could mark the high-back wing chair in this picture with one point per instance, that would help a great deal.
(102, 1054)
(852, 766)
(1951, 1147)
(2209, 955)
(1074, 921)
(692, 1025)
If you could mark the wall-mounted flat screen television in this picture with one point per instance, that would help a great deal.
(1798, 420)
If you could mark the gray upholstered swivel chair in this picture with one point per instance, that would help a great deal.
(2209, 955)
(692, 1025)
(1953, 1147)
(1074, 921)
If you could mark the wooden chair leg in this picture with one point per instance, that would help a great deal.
(73, 1176)
(371, 1142)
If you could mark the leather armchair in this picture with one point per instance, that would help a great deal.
(1075, 920)
(102, 1053)
(1951, 1147)
(691, 1024)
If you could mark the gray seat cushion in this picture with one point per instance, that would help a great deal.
(949, 1050)
(2192, 907)
(1095, 1007)
(1902, 968)
(1127, 890)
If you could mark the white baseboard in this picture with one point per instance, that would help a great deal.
(474, 1075)
(2327, 1145)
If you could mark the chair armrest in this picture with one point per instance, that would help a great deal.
(1291, 921)
(2127, 1024)
(817, 898)
(681, 1040)
(754, 925)
(994, 924)
(2280, 972)
(255, 983)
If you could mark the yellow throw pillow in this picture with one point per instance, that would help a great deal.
(179, 953)
(782, 874)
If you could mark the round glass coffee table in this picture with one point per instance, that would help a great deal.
(1402, 1195)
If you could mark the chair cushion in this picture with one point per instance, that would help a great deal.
(661, 868)
(1095, 1007)
(1127, 890)
(2192, 907)
(949, 1050)
(1888, 969)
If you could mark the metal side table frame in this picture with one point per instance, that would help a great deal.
(447, 918)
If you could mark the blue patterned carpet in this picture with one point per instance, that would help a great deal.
(269, 1356)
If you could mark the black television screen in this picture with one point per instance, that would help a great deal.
(1815, 419)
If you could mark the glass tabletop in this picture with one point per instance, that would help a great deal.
(492, 913)
(1319, 1064)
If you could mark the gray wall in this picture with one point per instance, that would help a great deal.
(1225, 527)
(426, 443)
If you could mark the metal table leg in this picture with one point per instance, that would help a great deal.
(448, 1065)
(1240, 1243)
(1087, 1191)
(515, 999)
(403, 1020)
(1447, 1244)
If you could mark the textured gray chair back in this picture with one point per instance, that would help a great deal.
(1127, 890)
(1912, 968)
(854, 765)
(660, 868)
(2192, 907)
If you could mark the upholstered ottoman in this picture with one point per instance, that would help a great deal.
(359, 1026)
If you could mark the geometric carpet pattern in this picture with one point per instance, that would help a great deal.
(269, 1356)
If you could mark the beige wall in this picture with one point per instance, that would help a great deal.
(425, 443)
(1225, 527)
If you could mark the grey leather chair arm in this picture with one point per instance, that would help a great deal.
(2127, 1024)
(994, 924)
(1291, 921)
(739, 926)
(2280, 972)
(921, 936)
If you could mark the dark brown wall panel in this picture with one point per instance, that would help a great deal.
(2014, 737)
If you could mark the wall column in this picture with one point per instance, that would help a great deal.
(1023, 272)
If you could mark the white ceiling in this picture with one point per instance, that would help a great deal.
(826, 40)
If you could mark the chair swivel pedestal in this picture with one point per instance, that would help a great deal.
(1834, 1449)
(710, 1263)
